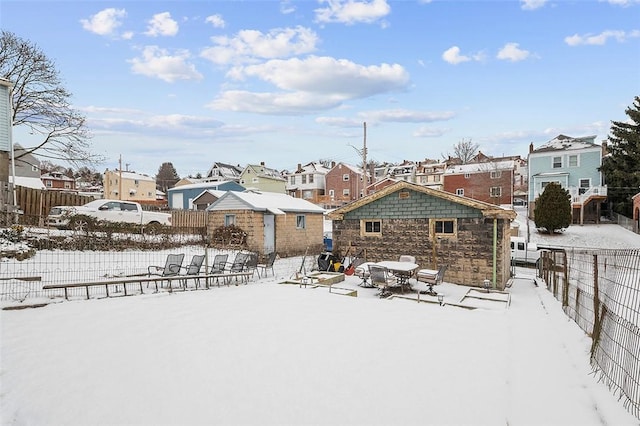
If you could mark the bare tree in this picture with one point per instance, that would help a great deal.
(40, 102)
(464, 150)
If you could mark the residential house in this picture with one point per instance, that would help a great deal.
(5, 141)
(573, 163)
(57, 181)
(262, 178)
(438, 228)
(379, 185)
(308, 182)
(182, 197)
(129, 186)
(206, 198)
(272, 221)
(405, 171)
(224, 172)
(344, 183)
(489, 182)
(27, 169)
(430, 173)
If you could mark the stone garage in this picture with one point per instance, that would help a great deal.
(437, 227)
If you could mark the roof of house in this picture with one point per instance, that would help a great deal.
(272, 202)
(201, 185)
(481, 167)
(227, 170)
(565, 143)
(265, 172)
(131, 175)
(215, 192)
(28, 182)
(488, 210)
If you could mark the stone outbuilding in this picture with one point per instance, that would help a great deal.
(273, 222)
(471, 237)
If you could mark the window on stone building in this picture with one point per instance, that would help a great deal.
(229, 219)
(444, 227)
(301, 222)
(370, 228)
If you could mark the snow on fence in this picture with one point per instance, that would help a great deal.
(600, 291)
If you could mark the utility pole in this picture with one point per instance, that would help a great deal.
(120, 178)
(364, 156)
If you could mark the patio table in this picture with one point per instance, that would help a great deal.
(402, 270)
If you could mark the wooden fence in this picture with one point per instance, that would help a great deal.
(35, 204)
(189, 218)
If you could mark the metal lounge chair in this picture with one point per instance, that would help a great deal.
(193, 269)
(268, 264)
(431, 277)
(171, 267)
(219, 266)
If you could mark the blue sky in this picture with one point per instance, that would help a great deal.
(288, 82)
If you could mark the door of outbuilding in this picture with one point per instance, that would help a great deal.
(269, 233)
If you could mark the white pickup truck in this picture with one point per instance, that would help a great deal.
(523, 252)
(108, 210)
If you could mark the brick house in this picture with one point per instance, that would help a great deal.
(430, 173)
(308, 182)
(470, 236)
(58, 182)
(344, 184)
(490, 182)
(636, 213)
(272, 221)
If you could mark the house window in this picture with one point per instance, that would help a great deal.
(254, 180)
(371, 228)
(557, 162)
(332, 193)
(136, 182)
(301, 221)
(495, 174)
(304, 178)
(229, 219)
(436, 178)
(345, 177)
(307, 195)
(345, 192)
(35, 168)
(466, 175)
(496, 191)
(292, 180)
(573, 160)
(460, 191)
(585, 184)
(424, 179)
(67, 185)
(310, 178)
(444, 227)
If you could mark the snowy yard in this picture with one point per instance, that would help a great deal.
(270, 353)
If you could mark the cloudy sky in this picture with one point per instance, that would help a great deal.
(288, 82)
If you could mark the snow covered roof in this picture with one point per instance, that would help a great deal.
(134, 176)
(565, 143)
(204, 185)
(273, 202)
(481, 167)
(28, 182)
(215, 192)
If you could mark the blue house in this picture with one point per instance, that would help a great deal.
(181, 197)
(573, 163)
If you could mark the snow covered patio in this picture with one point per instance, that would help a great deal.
(269, 353)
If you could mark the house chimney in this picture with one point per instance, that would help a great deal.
(333, 164)
(299, 168)
(530, 147)
(262, 163)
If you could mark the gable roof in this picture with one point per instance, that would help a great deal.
(566, 143)
(272, 202)
(215, 192)
(486, 167)
(203, 185)
(487, 210)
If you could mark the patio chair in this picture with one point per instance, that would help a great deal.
(431, 277)
(218, 267)
(268, 264)
(407, 258)
(381, 278)
(251, 265)
(193, 269)
(362, 271)
(171, 267)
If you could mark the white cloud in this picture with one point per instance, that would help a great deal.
(511, 52)
(105, 22)
(215, 20)
(453, 56)
(429, 132)
(600, 39)
(158, 63)
(532, 4)
(312, 84)
(287, 7)
(352, 11)
(623, 3)
(250, 45)
(408, 116)
(162, 25)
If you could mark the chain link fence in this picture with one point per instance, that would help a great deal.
(600, 291)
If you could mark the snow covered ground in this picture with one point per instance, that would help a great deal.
(271, 353)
